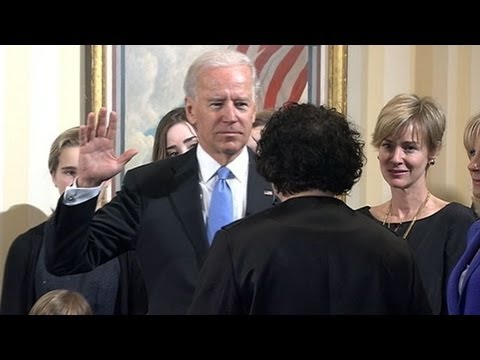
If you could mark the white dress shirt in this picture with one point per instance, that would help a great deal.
(238, 184)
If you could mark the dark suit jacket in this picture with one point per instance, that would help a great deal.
(309, 255)
(158, 213)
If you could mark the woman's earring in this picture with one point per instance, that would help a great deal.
(431, 162)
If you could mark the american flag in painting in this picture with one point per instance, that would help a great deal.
(282, 70)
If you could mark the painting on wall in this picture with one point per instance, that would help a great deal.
(148, 82)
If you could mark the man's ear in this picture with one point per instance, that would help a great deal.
(188, 110)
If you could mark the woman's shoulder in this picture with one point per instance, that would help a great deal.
(33, 234)
(455, 216)
(30, 240)
(455, 209)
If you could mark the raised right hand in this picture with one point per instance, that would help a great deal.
(97, 160)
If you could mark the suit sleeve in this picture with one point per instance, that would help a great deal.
(78, 239)
(216, 293)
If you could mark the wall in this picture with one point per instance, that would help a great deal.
(41, 91)
(449, 73)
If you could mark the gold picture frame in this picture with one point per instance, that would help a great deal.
(96, 77)
(337, 77)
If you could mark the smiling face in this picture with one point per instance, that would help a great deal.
(403, 159)
(223, 110)
(180, 138)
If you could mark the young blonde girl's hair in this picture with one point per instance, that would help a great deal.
(61, 302)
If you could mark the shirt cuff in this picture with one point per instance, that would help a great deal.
(74, 195)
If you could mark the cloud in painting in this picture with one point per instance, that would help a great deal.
(154, 77)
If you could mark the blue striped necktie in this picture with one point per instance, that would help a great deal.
(221, 204)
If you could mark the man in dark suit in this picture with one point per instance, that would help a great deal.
(162, 208)
(310, 254)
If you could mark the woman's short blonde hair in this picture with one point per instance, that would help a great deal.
(472, 132)
(424, 114)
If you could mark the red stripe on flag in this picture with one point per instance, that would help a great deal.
(280, 73)
(264, 54)
(276, 65)
(299, 85)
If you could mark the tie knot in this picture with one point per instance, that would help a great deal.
(223, 173)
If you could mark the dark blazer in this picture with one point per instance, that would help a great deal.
(437, 242)
(158, 213)
(309, 255)
(19, 295)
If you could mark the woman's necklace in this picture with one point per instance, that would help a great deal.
(413, 220)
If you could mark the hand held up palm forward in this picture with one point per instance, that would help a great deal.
(97, 160)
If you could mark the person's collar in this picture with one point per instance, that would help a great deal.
(306, 193)
(209, 166)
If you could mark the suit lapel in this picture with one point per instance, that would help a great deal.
(474, 259)
(467, 257)
(185, 199)
(259, 191)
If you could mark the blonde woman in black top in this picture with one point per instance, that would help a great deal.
(408, 136)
